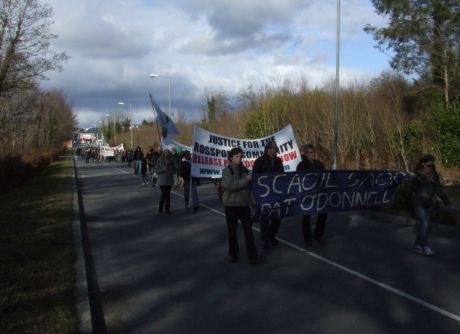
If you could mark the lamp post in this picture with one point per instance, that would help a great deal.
(337, 88)
(152, 75)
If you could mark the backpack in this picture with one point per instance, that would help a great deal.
(220, 187)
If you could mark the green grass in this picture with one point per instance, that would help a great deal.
(37, 254)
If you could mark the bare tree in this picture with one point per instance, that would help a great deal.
(25, 54)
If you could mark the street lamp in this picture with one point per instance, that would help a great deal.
(152, 75)
(337, 88)
(131, 127)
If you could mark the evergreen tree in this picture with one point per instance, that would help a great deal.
(425, 38)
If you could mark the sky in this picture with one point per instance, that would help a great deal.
(199, 47)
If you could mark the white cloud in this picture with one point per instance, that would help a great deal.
(201, 45)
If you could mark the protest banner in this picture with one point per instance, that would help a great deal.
(311, 192)
(210, 151)
(107, 151)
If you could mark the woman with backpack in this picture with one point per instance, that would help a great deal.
(236, 182)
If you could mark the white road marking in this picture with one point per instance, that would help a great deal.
(346, 269)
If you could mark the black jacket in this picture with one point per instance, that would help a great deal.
(425, 189)
(264, 164)
(305, 164)
(138, 155)
(185, 171)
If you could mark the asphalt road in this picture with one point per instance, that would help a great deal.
(170, 274)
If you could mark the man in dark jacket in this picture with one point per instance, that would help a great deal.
(138, 157)
(310, 163)
(269, 163)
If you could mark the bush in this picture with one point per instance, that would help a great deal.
(448, 127)
(16, 169)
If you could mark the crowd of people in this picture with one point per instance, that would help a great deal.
(236, 180)
(167, 168)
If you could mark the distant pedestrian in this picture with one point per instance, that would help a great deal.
(177, 159)
(129, 157)
(144, 175)
(425, 188)
(137, 158)
(269, 163)
(153, 161)
(309, 162)
(88, 155)
(236, 181)
(166, 168)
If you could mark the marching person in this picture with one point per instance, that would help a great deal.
(268, 163)
(426, 186)
(153, 161)
(177, 159)
(309, 162)
(138, 156)
(236, 181)
(166, 169)
(187, 182)
(144, 168)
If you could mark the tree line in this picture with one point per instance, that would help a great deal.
(33, 123)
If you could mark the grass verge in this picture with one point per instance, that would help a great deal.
(37, 254)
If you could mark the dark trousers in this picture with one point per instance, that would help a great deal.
(165, 198)
(243, 213)
(319, 228)
(191, 189)
(268, 229)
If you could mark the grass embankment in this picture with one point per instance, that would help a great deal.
(37, 254)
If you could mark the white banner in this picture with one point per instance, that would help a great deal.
(210, 151)
(120, 147)
(107, 151)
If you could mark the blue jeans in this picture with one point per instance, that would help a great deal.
(137, 167)
(423, 225)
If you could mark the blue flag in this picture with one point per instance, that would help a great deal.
(168, 129)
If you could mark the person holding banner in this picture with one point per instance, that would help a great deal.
(426, 186)
(309, 162)
(269, 163)
(166, 168)
(188, 182)
(236, 181)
